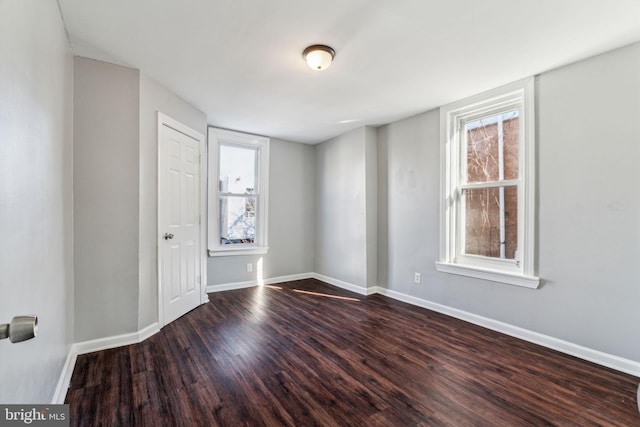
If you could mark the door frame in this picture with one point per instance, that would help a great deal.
(164, 120)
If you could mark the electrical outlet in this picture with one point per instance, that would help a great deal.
(416, 277)
(249, 268)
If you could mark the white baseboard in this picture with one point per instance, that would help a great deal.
(345, 285)
(252, 283)
(148, 332)
(280, 279)
(85, 347)
(65, 378)
(289, 278)
(614, 362)
(376, 290)
(231, 286)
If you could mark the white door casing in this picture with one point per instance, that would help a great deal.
(181, 243)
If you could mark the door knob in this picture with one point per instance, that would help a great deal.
(21, 328)
(168, 236)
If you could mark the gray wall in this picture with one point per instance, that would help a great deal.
(408, 203)
(371, 204)
(115, 167)
(291, 220)
(36, 277)
(153, 98)
(345, 204)
(106, 188)
(588, 202)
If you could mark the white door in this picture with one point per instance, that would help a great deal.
(179, 221)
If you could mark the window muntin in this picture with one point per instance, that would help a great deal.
(491, 222)
(490, 213)
(487, 227)
(237, 220)
(238, 193)
(238, 187)
(238, 168)
(492, 147)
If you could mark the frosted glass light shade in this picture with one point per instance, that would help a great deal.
(318, 57)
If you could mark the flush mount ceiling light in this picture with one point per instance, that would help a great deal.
(318, 56)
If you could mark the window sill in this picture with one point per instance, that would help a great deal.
(492, 275)
(238, 251)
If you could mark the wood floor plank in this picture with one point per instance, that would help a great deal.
(305, 353)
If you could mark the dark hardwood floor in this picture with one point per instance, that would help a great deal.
(305, 353)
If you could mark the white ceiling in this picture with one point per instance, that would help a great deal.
(240, 61)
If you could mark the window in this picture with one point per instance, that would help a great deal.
(487, 212)
(238, 187)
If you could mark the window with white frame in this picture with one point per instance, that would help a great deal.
(488, 163)
(238, 193)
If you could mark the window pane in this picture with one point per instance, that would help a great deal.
(237, 169)
(237, 220)
(492, 148)
(491, 222)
